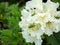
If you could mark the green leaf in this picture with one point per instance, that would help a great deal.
(52, 40)
(3, 7)
(14, 10)
(56, 1)
(6, 32)
(57, 36)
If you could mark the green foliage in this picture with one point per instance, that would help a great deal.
(10, 17)
(9, 26)
(52, 40)
(56, 1)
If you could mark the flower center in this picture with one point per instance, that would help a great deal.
(42, 19)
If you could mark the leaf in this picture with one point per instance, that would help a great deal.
(6, 32)
(3, 6)
(14, 10)
(52, 40)
(57, 36)
(56, 1)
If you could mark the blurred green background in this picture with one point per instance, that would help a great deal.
(9, 24)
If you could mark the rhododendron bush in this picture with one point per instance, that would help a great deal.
(38, 19)
(30, 22)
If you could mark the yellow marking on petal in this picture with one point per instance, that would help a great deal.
(36, 27)
(42, 19)
(50, 25)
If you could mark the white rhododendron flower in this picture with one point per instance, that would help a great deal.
(39, 18)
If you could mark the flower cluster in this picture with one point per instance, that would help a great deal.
(39, 18)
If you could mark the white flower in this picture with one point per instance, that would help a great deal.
(31, 39)
(39, 18)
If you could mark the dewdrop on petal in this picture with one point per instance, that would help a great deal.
(39, 18)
